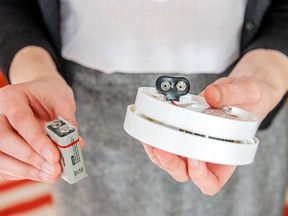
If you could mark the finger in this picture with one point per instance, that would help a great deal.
(236, 93)
(12, 144)
(82, 142)
(223, 172)
(16, 168)
(22, 119)
(66, 109)
(223, 80)
(4, 176)
(173, 164)
(67, 112)
(150, 152)
(209, 181)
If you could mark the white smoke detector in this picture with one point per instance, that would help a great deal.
(192, 128)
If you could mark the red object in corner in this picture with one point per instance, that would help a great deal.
(3, 81)
(285, 210)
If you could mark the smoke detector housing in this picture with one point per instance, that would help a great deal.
(192, 128)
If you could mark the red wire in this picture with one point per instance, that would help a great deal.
(174, 103)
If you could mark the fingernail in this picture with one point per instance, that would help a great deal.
(148, 149)
(47, 167)
(48, 154)
(45, 176)
(217, 94)
(193, 163)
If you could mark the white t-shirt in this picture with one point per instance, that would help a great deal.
(186, 36)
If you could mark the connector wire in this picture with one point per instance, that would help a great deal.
(174, 103)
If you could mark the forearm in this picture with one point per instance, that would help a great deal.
(267, 66)
(22, 26)
(32, 63)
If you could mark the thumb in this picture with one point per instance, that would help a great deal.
(66, 109)
(236, 93)
(72, 120)
(68, 114)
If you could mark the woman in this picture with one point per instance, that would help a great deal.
(244, 61)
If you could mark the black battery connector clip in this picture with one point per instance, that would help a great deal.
(172, 87)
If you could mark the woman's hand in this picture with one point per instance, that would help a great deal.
(256, 84)
(36, 97)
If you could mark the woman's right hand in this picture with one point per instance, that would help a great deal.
(36, 97)
(26, 152)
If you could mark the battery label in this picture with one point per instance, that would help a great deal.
(75, 158)
(218, 112)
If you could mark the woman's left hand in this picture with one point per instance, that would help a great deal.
(256, 84)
